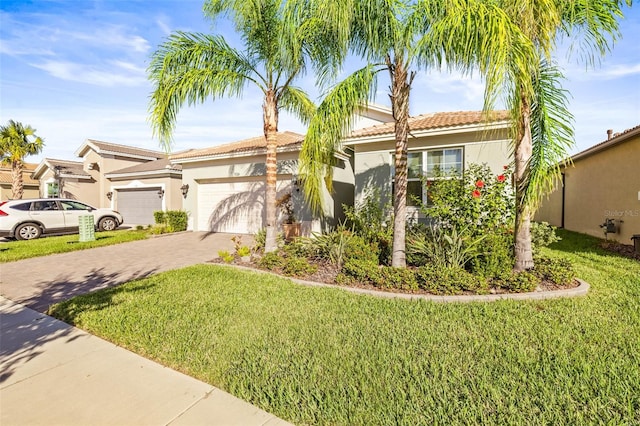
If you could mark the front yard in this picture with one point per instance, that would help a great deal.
(325, 356)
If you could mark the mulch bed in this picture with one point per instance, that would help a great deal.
(625, 250)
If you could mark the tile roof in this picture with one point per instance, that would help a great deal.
(149, 166)
(67, 167)
(285, 139)
(431, 121)
(125, 149)
(5, 174)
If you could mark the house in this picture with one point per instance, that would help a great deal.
(445, 141)
(29, 185)
(602, 184)
(134, 181)
(226, 185)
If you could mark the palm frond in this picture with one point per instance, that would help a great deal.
(333, 118)
(551, 134)
(297, 102)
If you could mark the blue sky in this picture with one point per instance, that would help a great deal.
(76, 69)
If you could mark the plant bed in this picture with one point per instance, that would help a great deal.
(625, 250)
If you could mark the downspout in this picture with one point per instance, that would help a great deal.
(563, 198)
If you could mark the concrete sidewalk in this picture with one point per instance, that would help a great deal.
(55, 374)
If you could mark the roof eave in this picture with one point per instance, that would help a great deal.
(261, 151)
(607, 144)
(143, 174)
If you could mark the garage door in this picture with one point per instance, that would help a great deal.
(234, 207)
(137, 205)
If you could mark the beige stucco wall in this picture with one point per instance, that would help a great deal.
(372, 161)
(240, 168)
(601, 186)
(76, 189)
(29, 191)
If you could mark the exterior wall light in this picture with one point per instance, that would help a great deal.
(185, 190)
(110, 195)
(161, 193)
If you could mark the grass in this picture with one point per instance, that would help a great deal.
(17, 250)
(325, 356)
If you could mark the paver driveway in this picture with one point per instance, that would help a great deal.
(42, 281)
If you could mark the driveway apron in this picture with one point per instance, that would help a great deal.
(42, 281)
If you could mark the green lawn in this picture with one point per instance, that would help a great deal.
(326, 356)
(16, 250)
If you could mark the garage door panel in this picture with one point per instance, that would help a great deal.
(137, 205)
(234, 207)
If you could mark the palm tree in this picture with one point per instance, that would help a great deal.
(18, 141)
(278, 48)
(398, 37)
(541, 122)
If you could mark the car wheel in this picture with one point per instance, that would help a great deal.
(27, 231)
(107, 224)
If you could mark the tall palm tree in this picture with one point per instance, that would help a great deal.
(398, 37)
(541, 122)
(279, 46)
(17, 142)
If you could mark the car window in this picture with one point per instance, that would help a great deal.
(22, 206)
(44, 205)
(73, 205)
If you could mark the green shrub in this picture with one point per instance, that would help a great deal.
(542, 234)
(447, 280)
(397, 278)
(298, 267)
(159, 229)
(260, 237)
(139, 227)
(243, 251)
(357, 247)
(271, 261)
(177, 220)
(495, 258)
(559, 271)
(520, 282)
(159, 217)
(447, 248)
(226, 256)
(363, 271)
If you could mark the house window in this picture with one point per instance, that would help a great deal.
(52, 190)
(433, 164)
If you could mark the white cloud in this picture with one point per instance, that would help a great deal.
(161, 21)
(127, 75)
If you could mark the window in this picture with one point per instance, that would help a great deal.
(432, 164)
(44, 205)
(74, 205)
(52, 190)
(23, 206)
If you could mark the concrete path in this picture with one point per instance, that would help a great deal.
(55, 374)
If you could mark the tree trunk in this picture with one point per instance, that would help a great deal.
(17, 184)
(270, 123)
(400, 87)
(524, 146)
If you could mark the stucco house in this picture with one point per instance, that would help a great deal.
(134, 181)
(30, 186)
(448, 141)
(226, 185)
(603, 183)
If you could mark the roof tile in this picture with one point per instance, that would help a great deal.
(127, 150)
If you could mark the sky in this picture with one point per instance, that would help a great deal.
(76, 70)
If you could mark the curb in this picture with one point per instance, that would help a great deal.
(581, 290)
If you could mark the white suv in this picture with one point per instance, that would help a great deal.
(29, 219)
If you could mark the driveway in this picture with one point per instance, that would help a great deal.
(42, 281)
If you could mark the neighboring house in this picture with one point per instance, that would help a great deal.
(603, 183)
(134, 181)
(445, 141)
(30, 186)
(226, 185)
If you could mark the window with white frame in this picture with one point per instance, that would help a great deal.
(432, 164)
(52, 190)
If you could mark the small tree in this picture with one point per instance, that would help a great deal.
(18, 141)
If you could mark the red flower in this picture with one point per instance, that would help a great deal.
(476, 193)
(505, 167)
(480, 184)
(501, 178)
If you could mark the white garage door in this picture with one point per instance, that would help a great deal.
(137, 205)
(234, 207)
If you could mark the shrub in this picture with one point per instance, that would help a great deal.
(447, 280)
(298, 267)
(495, 258)
(362, 271)
(330, 246)
(447, 248)
(225, 256)
(139, 227)
(543, 234)
(271, 261)
(356, 247)
(371, 220)
(260, 237)
(159, 217)
(559, 271)
(243, 251)
(159, 229)
(520, 282)
(397, 278)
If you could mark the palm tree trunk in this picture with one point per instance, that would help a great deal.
(17, 184)
(270, 123)
(524, 146)
(400, 87)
